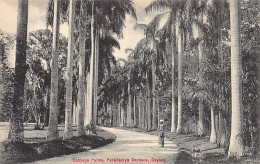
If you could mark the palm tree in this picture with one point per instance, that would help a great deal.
(150, 31)
(96, 68)
(175, 19)
(131, 68)
(16, 133)
(129, 104)
(68, 110)
(174, 112)
(53, 132)
(81, 64)
(215, 14)
(236, 147)
(180, 54)
(91, 70)
(201, 130)
(105, 17)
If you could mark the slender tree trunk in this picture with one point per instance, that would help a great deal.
(119, 113)
(158, 106)
(95, 84)
(129, 118)
(143, 109)
(213, 136)
(149, 121)
(236, 147)
(122, 110)
(258, 93)
(154, 126)
(75, 114)
(180, 54)
(134, 111)
(81, 63)
(174, 52)
(91, 72)
(69, 74)
(122, 116)
(53, 132)
(139, 110)
(16, 132)
(2, 53)
(201, 129)
(114, 113)
(88, 112)
(221, 138)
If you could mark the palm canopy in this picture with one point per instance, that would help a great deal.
(188, 12)
(110, 15)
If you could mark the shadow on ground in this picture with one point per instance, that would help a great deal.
(37, 148)
(195, 149)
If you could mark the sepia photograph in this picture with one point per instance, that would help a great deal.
(129, 81)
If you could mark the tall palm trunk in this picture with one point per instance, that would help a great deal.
(139, 110)
(236, 147)
(16, 132)
(53, 132)
(174, 52)
(119, 112)
(222, 132)
(122, 115)
(68, 109)
(201, 130)
(258, 93)
(122, 110)
(149, 121)
(158, 114)
(134, 111)
(180, 54)
(81, 63)
(2, 52)
(88, 112)
(143, 109)
(75, 113)
(95, 84)
(213, 136)
(91, 70)
(129, 106)
(154, 126)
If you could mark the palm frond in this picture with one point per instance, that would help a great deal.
(158, 5)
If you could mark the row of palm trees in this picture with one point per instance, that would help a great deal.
(141, 79)
(87, 96)
(139, 82)
(105, 19)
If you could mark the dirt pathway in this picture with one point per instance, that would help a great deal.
(129, 147)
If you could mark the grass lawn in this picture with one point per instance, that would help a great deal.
(36, 147)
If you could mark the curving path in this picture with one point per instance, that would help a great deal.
(129, 147)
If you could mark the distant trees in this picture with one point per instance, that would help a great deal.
(6, 76)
